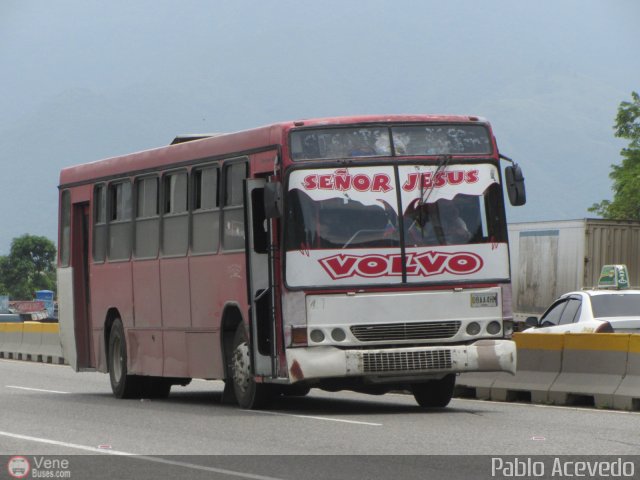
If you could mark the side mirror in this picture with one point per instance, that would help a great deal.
(531, 322)
(273, 200)
(515, 185)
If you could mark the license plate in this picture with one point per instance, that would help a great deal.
(484, 300)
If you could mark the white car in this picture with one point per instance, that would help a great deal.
(600, 311)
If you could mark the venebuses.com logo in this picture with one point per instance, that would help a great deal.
(18, 467)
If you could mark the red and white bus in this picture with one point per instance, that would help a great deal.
(367, 253)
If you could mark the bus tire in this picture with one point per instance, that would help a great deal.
(435, 393)
(249, 394)
(123, 385)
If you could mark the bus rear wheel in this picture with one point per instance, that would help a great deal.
(249, 394)
(123, 385)
(434, 393)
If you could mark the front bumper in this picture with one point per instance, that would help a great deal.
(330, 362)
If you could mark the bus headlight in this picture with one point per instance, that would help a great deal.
(494, 328)
(316, 336)
(473, 328)
(338, 335)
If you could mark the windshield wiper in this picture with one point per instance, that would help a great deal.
(443, 163)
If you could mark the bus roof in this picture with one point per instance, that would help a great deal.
(202, 146)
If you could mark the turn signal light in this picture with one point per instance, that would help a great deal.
(299, 336)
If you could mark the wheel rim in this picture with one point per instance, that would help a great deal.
(116, 361)
(242, 367)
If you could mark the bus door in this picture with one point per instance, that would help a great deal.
(260, 281)
(81, 297)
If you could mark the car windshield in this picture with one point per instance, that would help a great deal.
(616, 305)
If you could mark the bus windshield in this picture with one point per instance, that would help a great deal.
(358, 210)
(424, 140)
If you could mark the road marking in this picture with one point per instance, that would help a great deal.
(34, 389)
(311, 417)
(148, 458)
(557, 407)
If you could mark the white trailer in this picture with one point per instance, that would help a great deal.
(554, 257)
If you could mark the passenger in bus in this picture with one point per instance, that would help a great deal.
(310, 147)
(419, 233)
(436, 223)
(438, 143)
(454, 227)
(360, 148)
(333, 230)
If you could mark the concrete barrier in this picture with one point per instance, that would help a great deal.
(627, 395)
(3, 339)
(593, 366)
(563, 369)
(596, 369)
(31, 341)
(475, 384)
(539, 362)
(12, 339)
(51, 347)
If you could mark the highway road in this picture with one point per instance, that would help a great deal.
(51, 410)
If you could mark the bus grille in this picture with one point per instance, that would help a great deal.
(380, 362)
(405, 331)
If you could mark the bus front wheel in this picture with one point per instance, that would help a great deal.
(435, 393)
(249, 394)
(123, 385)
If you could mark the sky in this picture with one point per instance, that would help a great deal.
(89, 79)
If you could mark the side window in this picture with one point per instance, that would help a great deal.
(552, 317)
(234, 195)
(233, 215)
(119, 210)
(65, 228)
(206, 214)
(147, 229)
(99, 223)
(571, 312)
(175, 226)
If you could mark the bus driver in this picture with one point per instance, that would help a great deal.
(437, 223)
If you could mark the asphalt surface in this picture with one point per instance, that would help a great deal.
(51, 410)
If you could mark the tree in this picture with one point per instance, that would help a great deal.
(30, 266)
(626, 177)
